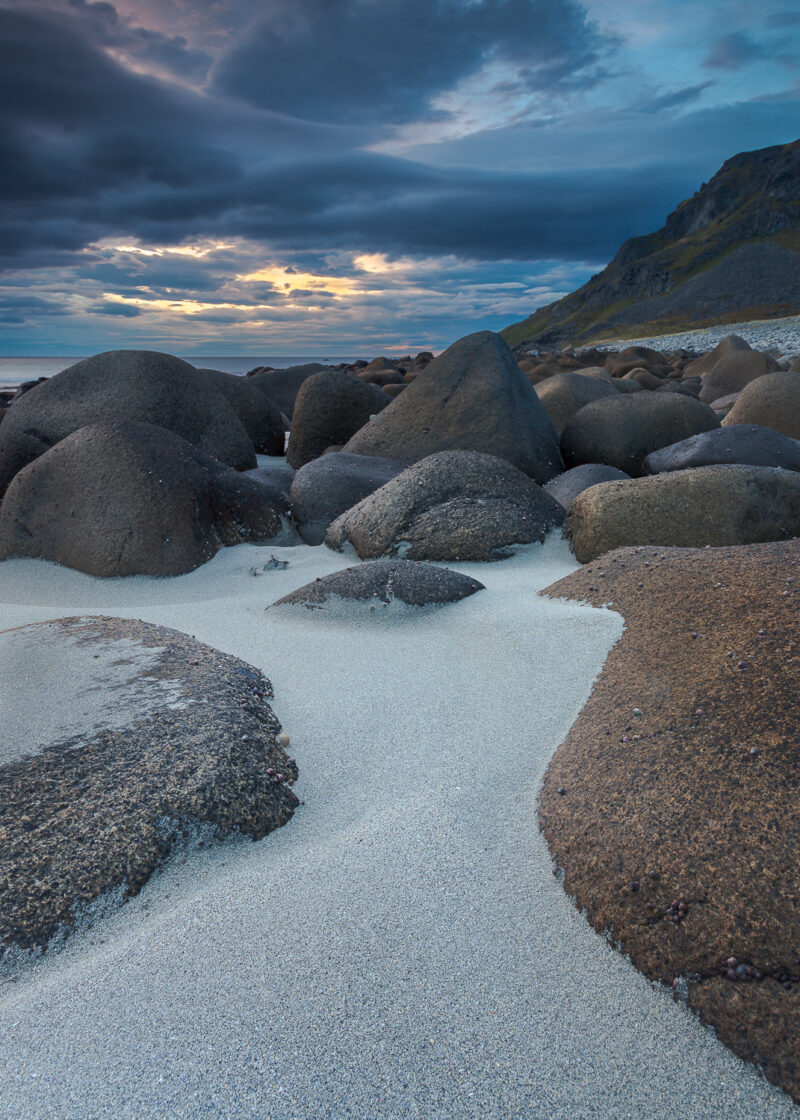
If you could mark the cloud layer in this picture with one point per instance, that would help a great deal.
(154, 154)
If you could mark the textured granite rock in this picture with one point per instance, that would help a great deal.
(331, 406)
(717, 505)
(678, 784)
(120, 738)
(457, 505)
(384, 581)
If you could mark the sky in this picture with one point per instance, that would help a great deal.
(354, 176)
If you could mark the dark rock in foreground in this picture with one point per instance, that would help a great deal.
(677, 784)
(327, 487)
(259, 416)
(473, 397)
(718, 505)
(124, 499)
(457, 505)
(736, 443)
(125, 735)
(139, 385)
(384, 581)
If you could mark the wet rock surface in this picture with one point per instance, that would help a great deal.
(672, 806)
(385, 581)
(123, 736)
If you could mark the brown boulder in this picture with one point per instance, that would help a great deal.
(772, 401)
(566, 393)
(714, 505)
(732, 372)
(678, 784)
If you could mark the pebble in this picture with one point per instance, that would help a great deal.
(780, 335)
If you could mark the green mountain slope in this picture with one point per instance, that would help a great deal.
(729, 253)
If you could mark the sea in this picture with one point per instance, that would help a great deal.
(15, 370)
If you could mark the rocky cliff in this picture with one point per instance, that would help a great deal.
(729, 253)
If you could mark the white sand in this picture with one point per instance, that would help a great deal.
(401, 948)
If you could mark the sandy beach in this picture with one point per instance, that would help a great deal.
(402, 947)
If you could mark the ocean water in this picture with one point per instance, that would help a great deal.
(15, 370)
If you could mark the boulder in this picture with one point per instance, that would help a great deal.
(124, 736)
(331, 406)
(393, 391)
(283, 385)
(731, 344)
(772, 401)
(276, 480)
(566, 393)
(138, 385)
(259, 416)
(736, 443)
(389, 375)
(637, 357)
(567, 486)
(386, 581)
(124, 499)
(678, 784)
(645, 378)
(455, 505)
(326, 487)
(622, 431)
(717, 505)
(473, 397)
(732, 372)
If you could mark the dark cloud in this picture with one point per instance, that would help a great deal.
(676, 99)
(368, 61)
(733, 51)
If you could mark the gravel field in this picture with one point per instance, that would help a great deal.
(401, 948)
(779, 335)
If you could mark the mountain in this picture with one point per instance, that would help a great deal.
(729, 253)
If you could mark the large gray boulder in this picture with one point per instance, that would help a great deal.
(326, 487)
(385, 581)
(718, 505)
(473, 397)
(276, 481)
(772, 401)
(124, 499)
(331, 406)
(455, 505)
(283, 385)
(735, 443)
(260, 418)
(622, 431)
(139, 385)
(566, 393)
(124, 735)
(567, 486)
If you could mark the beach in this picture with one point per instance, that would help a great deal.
(400, 948)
